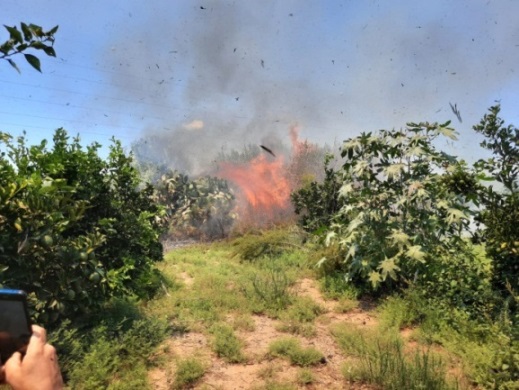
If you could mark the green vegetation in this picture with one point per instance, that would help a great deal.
(29, 37)
(188, 372)
(197, 208)
(76, 230)
(393, 231)
(292, 349)
(226, 344)
(381, 360)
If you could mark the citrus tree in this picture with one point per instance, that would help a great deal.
(75, 229)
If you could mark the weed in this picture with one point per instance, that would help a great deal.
(381, 361)
(226, 344)
(301, 329)
(344, 305)
(305, 377)
(304, 310)
(188, 372)
(272, 289)
(291, 348)
(335, 286)
(244, 322)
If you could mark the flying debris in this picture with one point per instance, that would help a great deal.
(237, 98)
(456, 111)
(202, 7)
(262, 63)
(267, 150)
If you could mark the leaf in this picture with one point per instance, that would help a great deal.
(448, 132)
(415, 253)
(455, 215)
(388, 267)
(399, 237)
(374, 278)
(345, 190)
(33, 61)
(394, 170)
(27, 33)
(15, 34)
(351, 252)
(49, 50)
(53, 30)
(13, 64)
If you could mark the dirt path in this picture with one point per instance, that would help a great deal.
(260, 368)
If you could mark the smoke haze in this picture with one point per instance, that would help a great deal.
(228, 74)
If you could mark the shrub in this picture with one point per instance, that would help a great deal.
(396, 218)
(75, 229)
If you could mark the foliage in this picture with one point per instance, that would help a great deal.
(30, 36)
(188, 372)
(112, 354)
(272, 288)
(226, 344)
(317, 202)
(396, 218)
(200, 208)
(500, 215)
(255, 246)
(291, 348)
(75, 230)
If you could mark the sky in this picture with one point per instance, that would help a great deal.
(187, 79)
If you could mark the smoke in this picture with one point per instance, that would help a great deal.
(225, 74)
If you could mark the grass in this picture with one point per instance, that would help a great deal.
(188, 372)
(291, 348)
(226, 344)
(381, 360)
(213, 290)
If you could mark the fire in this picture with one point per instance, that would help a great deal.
(264, 185)
(263, 189)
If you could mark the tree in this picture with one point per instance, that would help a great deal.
(30, 36)
(500, 215)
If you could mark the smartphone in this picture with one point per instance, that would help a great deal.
(15, 325)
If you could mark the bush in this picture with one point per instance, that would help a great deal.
(75, 230)
(397, 218)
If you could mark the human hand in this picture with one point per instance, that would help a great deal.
(38, 369)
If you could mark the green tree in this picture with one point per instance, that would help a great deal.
(75, 229)
(500, 214)
(30, 36)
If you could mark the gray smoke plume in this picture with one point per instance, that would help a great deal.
(225, 74)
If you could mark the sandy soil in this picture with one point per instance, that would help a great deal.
(260, 368)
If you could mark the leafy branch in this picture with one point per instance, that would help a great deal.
(30, 36)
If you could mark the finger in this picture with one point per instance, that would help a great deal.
(14, 361)
(50, 352)
(37, 341)
(40, 332)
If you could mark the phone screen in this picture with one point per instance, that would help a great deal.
(15, 329)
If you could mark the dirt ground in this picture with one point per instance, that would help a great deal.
(260, 368)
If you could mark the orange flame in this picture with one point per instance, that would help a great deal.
(264, 185)
(263, 188)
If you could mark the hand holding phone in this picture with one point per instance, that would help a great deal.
(15, 326)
